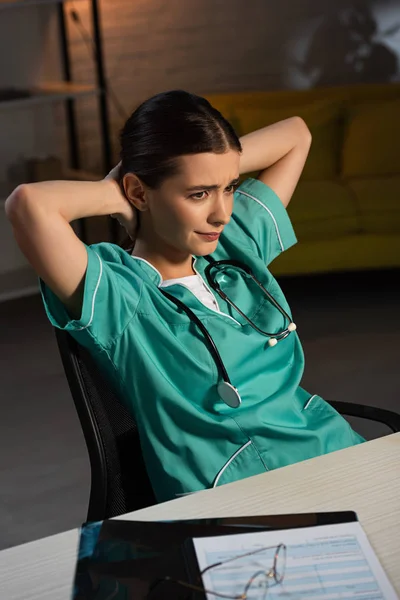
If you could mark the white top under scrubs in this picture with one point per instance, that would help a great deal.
(195, 285)
(159, 362)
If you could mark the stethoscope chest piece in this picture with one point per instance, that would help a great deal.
(229, 394)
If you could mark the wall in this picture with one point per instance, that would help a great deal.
(200, 45)
(214, 45)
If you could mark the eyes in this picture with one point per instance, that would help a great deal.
(203, 195)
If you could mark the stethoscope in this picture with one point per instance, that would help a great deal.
(227, 392)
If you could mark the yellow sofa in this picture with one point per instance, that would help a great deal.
(346, 208)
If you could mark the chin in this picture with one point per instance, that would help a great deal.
(206, 248)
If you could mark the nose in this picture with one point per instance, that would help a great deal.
(221, 210)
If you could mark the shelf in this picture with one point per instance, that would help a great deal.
(51, 92)
(46, 95)
(7, 4)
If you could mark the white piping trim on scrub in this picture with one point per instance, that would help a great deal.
(218, 312)
(115, 592)
(150, 265)
(94, 294)
(309, 401)
(226, 465)
(190, 290)
(271, 215)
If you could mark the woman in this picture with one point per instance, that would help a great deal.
(180, 165)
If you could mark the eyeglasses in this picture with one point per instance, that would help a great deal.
(256, 587)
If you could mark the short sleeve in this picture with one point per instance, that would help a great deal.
(262, 217)
(110, 299)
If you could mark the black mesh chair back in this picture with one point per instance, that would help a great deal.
(120, 483)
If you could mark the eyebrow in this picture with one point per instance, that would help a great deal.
(211, 187)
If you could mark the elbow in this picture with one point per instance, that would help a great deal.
(17, 203)
(303, 133)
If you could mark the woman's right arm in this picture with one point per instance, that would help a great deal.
(41, 213)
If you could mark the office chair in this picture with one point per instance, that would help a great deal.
(119, 480)
(120, 483)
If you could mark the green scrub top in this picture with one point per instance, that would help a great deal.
(159, 362)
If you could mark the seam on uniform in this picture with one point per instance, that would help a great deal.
(101, 349)
(271, 215)
(260, 457)
(254, 445)
(175, 324)
(232, 458)
(122, 381)
(246, 243)
(135, 312)
(94, 294)
(118, 379)
(309, 401)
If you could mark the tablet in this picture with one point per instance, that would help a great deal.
(142, 560)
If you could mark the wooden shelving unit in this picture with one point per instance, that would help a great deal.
(7, 4)
(56, 91)
(21, 280)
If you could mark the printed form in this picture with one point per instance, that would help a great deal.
(325, 562)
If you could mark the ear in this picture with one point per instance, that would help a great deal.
(135, 191)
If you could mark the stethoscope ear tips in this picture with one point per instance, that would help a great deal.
(273, 341)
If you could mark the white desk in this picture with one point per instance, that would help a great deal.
(365, 478)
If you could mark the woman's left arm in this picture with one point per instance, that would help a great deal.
(279, 151)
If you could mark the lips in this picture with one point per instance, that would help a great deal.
(211, 237)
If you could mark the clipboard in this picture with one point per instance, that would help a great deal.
(128, 557)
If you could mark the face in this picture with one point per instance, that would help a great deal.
(196, 202)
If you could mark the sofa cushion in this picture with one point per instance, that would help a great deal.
(378, 201)
(372, 140)
(348, 253)
(227, 102)
(322, 210)
(324, 120)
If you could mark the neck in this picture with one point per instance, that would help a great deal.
(171, 265)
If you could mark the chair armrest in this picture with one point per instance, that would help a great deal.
(388, 417)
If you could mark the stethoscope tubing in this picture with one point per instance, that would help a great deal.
(205, 332)
(228, 393)
(280, 334)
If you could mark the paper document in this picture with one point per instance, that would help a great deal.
(326, 562)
